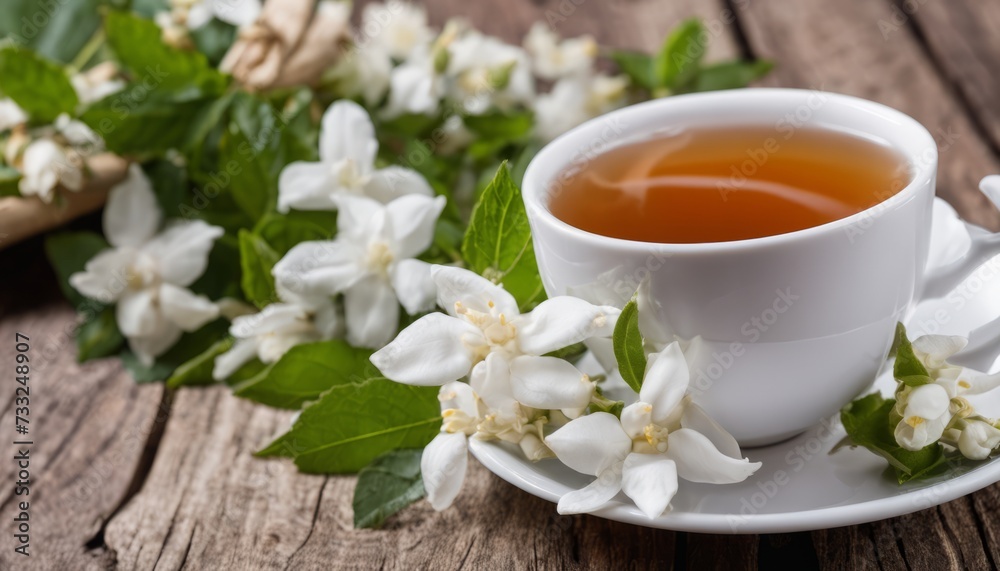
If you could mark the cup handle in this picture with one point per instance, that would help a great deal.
(984, 341)
(984, 246)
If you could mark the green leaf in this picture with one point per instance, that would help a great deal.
(907, 369)
(10, 179)
(138, 44)
(350, 425)
(637, 66)
(214, 39)
(283, 231)
(503, 126)
(139, 122)
(867, 422)
(306, 371)
(497, 244)
(257, 259)
(627, 342)
(39, 86)
(98, 336)
(390, 483)
(730, 75)
(170, 185)
(678, 60)
(55, 30)
(68, 253)
(198, 370)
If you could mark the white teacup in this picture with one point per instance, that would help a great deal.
(793, 326)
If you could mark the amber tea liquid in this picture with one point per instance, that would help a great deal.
(728, 183)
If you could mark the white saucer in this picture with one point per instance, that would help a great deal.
(800, 485)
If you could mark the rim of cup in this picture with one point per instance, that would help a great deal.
(908, 137)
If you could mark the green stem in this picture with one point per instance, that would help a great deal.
(88, 50)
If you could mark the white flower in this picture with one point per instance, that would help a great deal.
(239, 13)
(553, 59)
(444, 461)
(486, 72)
(271, 333)
(978, 439)
(485, 409)
(11, 115)
(415, 88)
(45, 164)
(574, 100)
(363, 70)
(146, 273)
(347, 150)
(97, 83)
(371, 262)
(483, 319)
(661, 437)
(399, 28)
(928, 410)
(77, 133)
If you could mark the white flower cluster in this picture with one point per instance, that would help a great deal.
(51, 156)
(397, 61)
(514, 391)
(186, 15)
(385, 219)
(938, 411)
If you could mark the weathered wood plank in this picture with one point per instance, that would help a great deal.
(90, 426)
(839, 47)
(964, 41)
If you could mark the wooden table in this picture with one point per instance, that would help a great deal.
(136, 476)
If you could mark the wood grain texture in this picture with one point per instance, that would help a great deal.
(134, 477)
(963, 41)
(91, 425)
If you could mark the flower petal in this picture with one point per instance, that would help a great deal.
(562, 321)
(915, 434)
(319, 268)
(458, 285)
(283, 318)
(239, 13)
(390, 183)
(590, 444)
(594, 496)
(411, 279)
(306, 186)
(428, 352)
(977, 381)
(695, 418)
(651, 481)
(698, 460)
(182, 250)
(103, 278)
(457, 395)
(927, 401)
(147, 348)
(131, 216)
(635, 418)
(138, 314)
(665, 382)
(549, 383)
(413, 219)
(443, 466)
(241, 353)
(490, 378)
(978, 439)
(934, 349)
(328, 320)
(372, 313)
(347, 132)
(187, 310)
